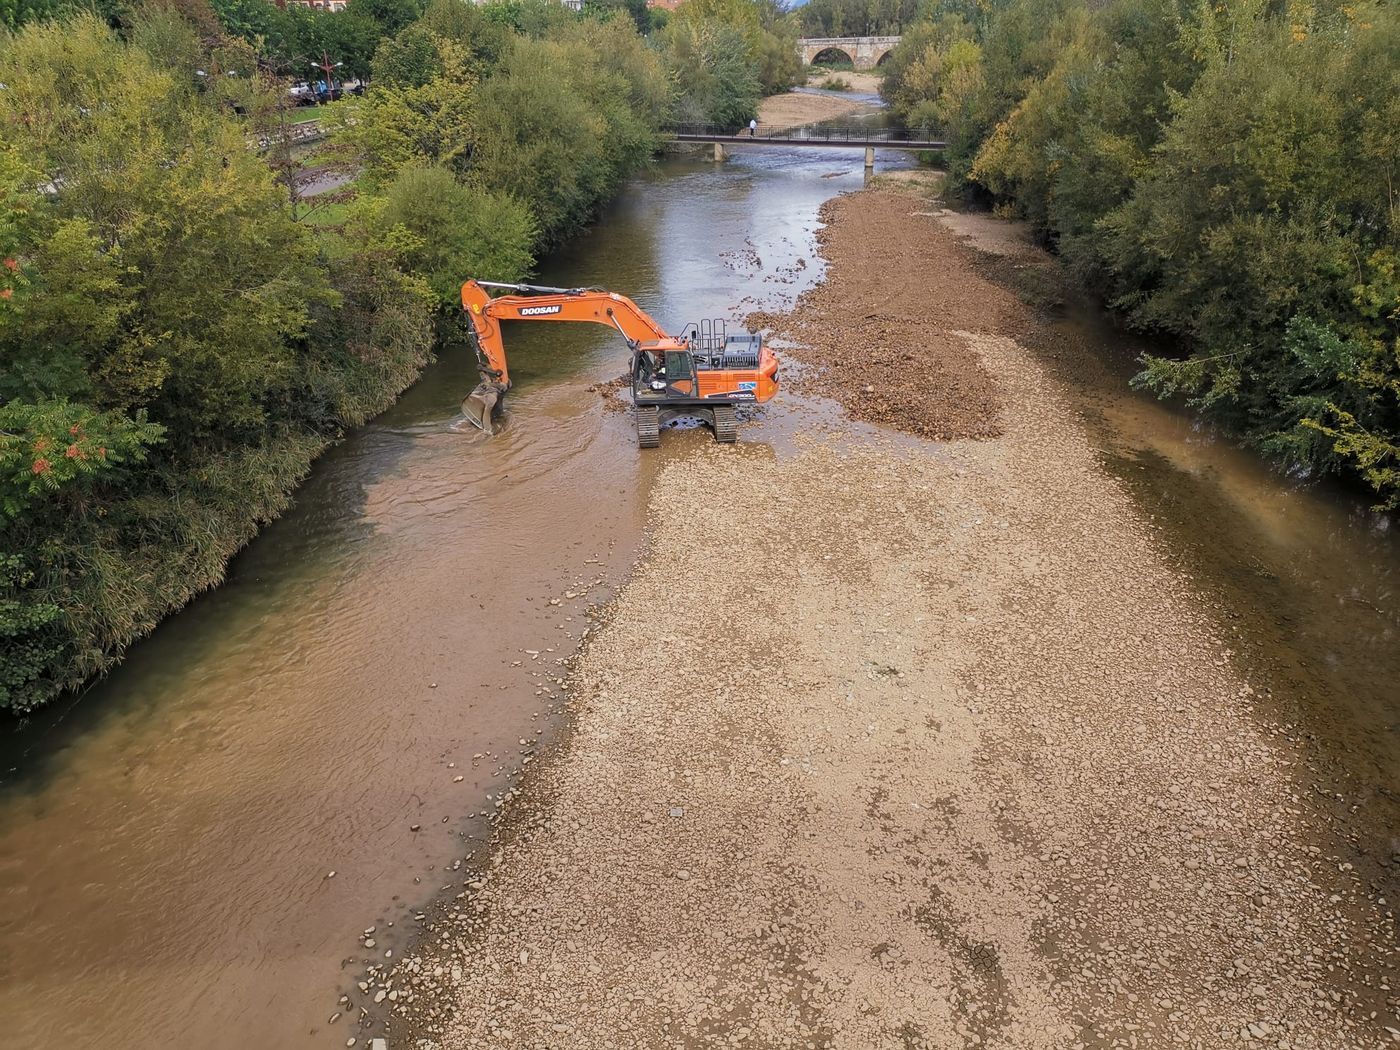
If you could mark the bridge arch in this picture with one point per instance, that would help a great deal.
(864, 52)
(832, 54)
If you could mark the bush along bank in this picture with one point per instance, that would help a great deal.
(178, 341)
(1221, 173)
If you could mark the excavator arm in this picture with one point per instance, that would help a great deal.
(533, 303)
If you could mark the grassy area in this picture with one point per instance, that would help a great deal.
(306, 114)
(835, 84)
(330, 213)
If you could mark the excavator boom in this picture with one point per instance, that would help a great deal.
(701, 368)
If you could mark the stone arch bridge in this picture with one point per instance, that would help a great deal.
(864, 52)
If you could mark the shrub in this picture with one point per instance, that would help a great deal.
(173, 349)
(457, 231)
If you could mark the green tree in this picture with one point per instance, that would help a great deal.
(15, 13)
(409, 60)
(715, 81)
(399, 124)
(391, 16)
(636, 10)
(173, 347)
(534, 18)
(454, 231)
(470, 26)
(857, 17)
(572, 116)
(769, 37)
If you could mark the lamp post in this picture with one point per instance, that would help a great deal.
(328, 68)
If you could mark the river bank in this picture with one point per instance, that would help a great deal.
(807, 107)
(952, 752)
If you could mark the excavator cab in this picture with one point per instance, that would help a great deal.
(663, 375)
(704, 373)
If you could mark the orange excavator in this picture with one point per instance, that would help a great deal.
(704, 373)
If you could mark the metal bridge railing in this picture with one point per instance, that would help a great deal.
(806, 132)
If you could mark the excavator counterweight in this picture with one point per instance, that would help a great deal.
(704, 372)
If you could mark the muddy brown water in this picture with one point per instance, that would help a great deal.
(166, 838)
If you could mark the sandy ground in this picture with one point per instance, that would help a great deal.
(892, 350)
(866, 83)
(942, 752)
(782, 111)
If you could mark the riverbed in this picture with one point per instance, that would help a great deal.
(963, 755)
(169, 838)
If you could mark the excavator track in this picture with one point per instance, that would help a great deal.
(648, 427)
(726, 424)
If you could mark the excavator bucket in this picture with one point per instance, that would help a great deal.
(480, 404)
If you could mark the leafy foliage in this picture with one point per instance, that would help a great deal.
(173, 347)
(729, 44)
(292, 38)
(55, 447)
(1223, 173)
(716, 82)
(399, 123)
(858, 17)
(451, 229)
(15, 13)
(573, 115)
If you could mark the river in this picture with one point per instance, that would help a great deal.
(167, 839)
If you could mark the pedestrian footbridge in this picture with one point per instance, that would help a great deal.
(816, 136)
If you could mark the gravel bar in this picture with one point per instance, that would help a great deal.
(943, 752)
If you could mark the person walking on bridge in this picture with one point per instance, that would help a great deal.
(753, 127)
